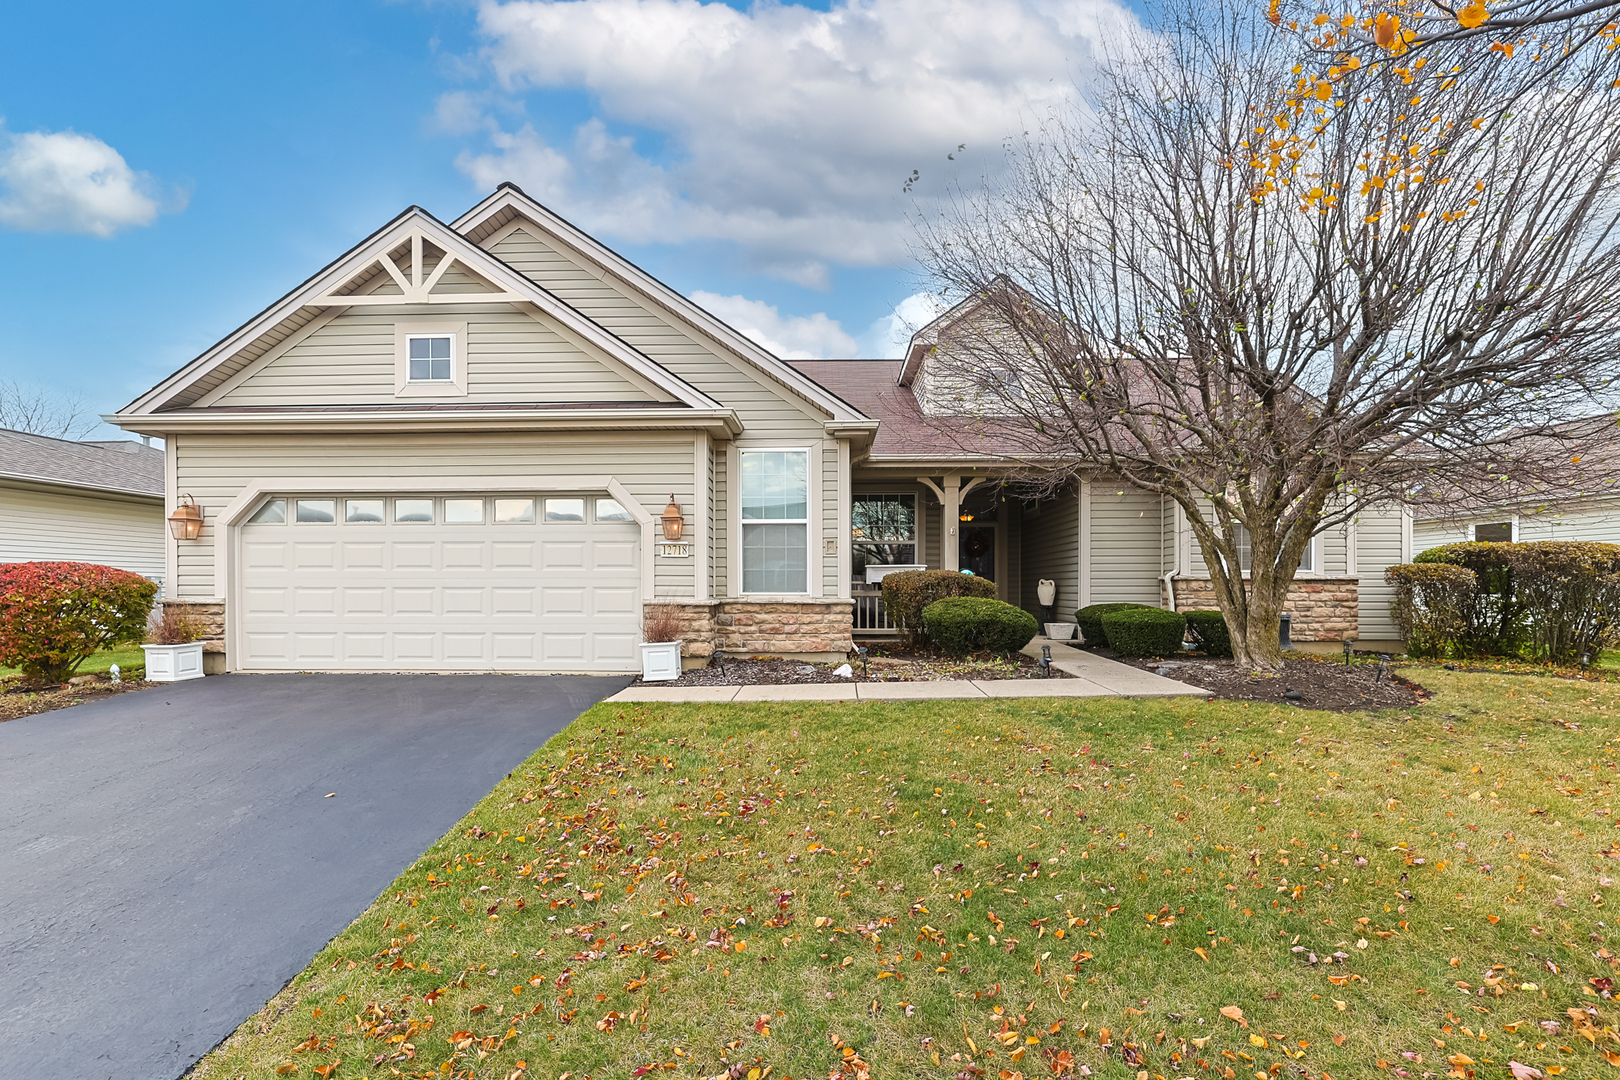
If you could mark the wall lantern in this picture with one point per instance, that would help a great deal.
(673, 525)
(186, 522)
(964, 517)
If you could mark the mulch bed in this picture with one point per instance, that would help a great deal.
(18, 701)
(1306, 682)
(904, 667)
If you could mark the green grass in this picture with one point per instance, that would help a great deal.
(129, 658)
(1022, 887)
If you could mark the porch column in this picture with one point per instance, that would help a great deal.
(950, 501)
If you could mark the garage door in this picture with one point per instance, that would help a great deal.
(448, 583)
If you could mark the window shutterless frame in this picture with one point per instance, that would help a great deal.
(774, 503)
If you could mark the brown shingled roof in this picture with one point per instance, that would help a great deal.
(905, 431)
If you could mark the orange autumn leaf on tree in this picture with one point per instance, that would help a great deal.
(1473, 14)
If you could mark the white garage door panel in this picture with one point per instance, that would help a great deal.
(437, 597)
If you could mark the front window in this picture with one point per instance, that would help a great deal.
(883, 531)
(1500, 532)
(775, 521)
(1307, 561)
(430, 358)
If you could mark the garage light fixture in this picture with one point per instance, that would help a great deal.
(673, 525)
(186, 522)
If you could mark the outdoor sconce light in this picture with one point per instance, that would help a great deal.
(964, 517)
(186, 522)
(673, 525)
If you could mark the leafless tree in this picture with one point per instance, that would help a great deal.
(1206, 288)
(24, 408)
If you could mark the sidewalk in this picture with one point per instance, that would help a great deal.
(1093, 676)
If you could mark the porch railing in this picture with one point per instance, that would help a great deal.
(871, 617)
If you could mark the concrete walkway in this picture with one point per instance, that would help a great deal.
(1092, 676)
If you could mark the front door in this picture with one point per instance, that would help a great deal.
(978, 550)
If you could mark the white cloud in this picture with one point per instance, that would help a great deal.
(786, 130)
(794, 337)
(886, 338)
(62, 181)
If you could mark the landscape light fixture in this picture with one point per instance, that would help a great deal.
(862, 651)
(1046, 661)
(673, 525)
(186, 522)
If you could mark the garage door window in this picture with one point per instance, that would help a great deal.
(317, 511)
(514, 511)
(464, 511)
(273, 512)
(413, 511)
(565, 509)
(776, 523)
(610, 510)
(363, 510)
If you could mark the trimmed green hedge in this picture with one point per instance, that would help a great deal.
(1090, 620)
(1145, 631)
(908, 592)
(1210, 633)
(964, 624)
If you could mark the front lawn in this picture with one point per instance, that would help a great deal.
(129, 658)
(1029, 888)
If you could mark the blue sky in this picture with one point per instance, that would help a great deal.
(169, 169)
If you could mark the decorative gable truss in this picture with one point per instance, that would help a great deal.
(414, 260)
(426, 266)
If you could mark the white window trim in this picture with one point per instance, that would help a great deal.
(1317, 553)
(812, 509)
(456, 385)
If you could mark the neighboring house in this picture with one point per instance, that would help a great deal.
(1582, 519)
(95, 502)
(456, 447)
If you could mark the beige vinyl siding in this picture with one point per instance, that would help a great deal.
(719, 523)
(769, 411)
(1050, 535)
(1012, 531)
(1378, 545)
(49, 526)
(1125, 540)
(509, 356)
(1330, 544)
(929, 520)
(215, 469)
(832, 526)
(1598, 520)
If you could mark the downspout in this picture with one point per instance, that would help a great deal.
(1170, 588)
(1169, 579)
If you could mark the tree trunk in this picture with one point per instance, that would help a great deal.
(1256, 643)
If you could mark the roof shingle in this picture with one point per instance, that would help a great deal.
(128, 468)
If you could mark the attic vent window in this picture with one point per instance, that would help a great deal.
(430, 358)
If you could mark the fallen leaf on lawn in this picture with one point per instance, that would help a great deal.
(1202, 955)
(1521, 1071)
(286, 1068)
(1338, 1040)
(1232, 1012)
(324, 1071)
(1611, 1057)
(1257, 1040)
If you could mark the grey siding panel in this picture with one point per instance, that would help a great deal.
(1049, 534)
(510, 356)
(215, 469)
(1012, 589)
(832, 525)
(41, 526)
(721, 524)
(1378, 545)
(1126, 531)
(768, 412)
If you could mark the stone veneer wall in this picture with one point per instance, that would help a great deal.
(210, 613)
(1324, 609)
(763, 627)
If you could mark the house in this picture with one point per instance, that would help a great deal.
(488, 444)
(95, 502)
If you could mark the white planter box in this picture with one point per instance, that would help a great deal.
(1060, 631)
(174, 663)
(660, 661)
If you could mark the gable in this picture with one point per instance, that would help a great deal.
(323, 344)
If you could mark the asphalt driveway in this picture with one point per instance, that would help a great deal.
(168, 858)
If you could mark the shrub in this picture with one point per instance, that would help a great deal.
(1090, 620)
(962, 624)
(1433, 605)
(1492, 619)
(54, 614)
(1569, 591)
(908, 592)
(1210, 633)
(1145, 631)
(174, 627)
(661, 623)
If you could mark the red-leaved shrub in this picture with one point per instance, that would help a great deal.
(54, 614)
